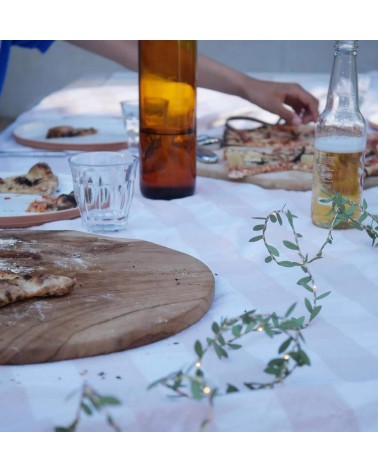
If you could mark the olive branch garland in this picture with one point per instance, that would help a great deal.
(192, 382)
(90, 403)
(227, 334)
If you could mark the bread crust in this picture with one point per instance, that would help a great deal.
(38, 180)
(19, 287)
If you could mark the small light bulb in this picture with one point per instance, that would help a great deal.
(207, 390)
(259, 329)
(198, 364)
(314, 288)
(286, 357)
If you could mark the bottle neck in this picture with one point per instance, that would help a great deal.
(343, 88)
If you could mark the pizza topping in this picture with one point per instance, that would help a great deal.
(17, 287)
(68, 132)
(53, 203)
(23, 181)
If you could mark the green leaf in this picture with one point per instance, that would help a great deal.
(308, 305)
(256, 238)
(196, 388)
(284, 345)
(279, 218)
(272, 218)
(234, 346)
(198, 349)
(268, 330)
(290, 218)
(258, 227)
(215, 328)
(268, 259)
(288, 264)
(290, 309)
(351, 210)
(108, 400)
(308, 287)
(302, 358)
(304, 280)
(236, 330)
(273, 250)
(288, 324)
(86, 409)
(323, 295)
(67, 429)
(362, 217)
(315, 312)
(231, 389)
(221, 340)
(291, 245)
(220, 352)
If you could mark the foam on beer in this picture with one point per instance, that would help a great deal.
(340, 144)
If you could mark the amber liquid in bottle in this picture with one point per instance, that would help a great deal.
(167, 97)
(340, 139)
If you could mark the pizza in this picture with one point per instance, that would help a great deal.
(371, 156)
(18, 287)
(38, 180)
(261, 148)
(53, 203)
(68, 132)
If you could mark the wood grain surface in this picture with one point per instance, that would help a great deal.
(286, 180)
(128, 293)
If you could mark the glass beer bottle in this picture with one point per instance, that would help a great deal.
(340, 138)
(167, 98)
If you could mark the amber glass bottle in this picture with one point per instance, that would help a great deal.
(167, 98)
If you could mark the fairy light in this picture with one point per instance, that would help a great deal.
(198, 364)
(314, 288)
(259, 329)
(206, 390)
(286, 357)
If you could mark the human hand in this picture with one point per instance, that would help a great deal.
(287, 100)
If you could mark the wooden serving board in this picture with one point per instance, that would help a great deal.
(127, 293)
(286, 180)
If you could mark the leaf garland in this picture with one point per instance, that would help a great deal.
(227, 334)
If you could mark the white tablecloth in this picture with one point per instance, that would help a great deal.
(338, 392)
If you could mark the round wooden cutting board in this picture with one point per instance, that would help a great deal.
(127, 293)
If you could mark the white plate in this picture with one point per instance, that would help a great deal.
(13, 206)
(110, 134)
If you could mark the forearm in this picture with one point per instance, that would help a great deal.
(124, 53)
(211, 74)
(216, 76)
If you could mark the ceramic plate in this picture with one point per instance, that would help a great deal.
(13, 206)
(110, 134)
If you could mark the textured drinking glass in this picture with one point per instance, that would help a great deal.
(104, 187)
(130, 116)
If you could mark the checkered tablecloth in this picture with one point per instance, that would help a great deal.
(338, 392)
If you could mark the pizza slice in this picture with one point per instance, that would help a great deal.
(267, 148)
(38, 180)
(53, 203)
(68, 132)
(17, 287)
